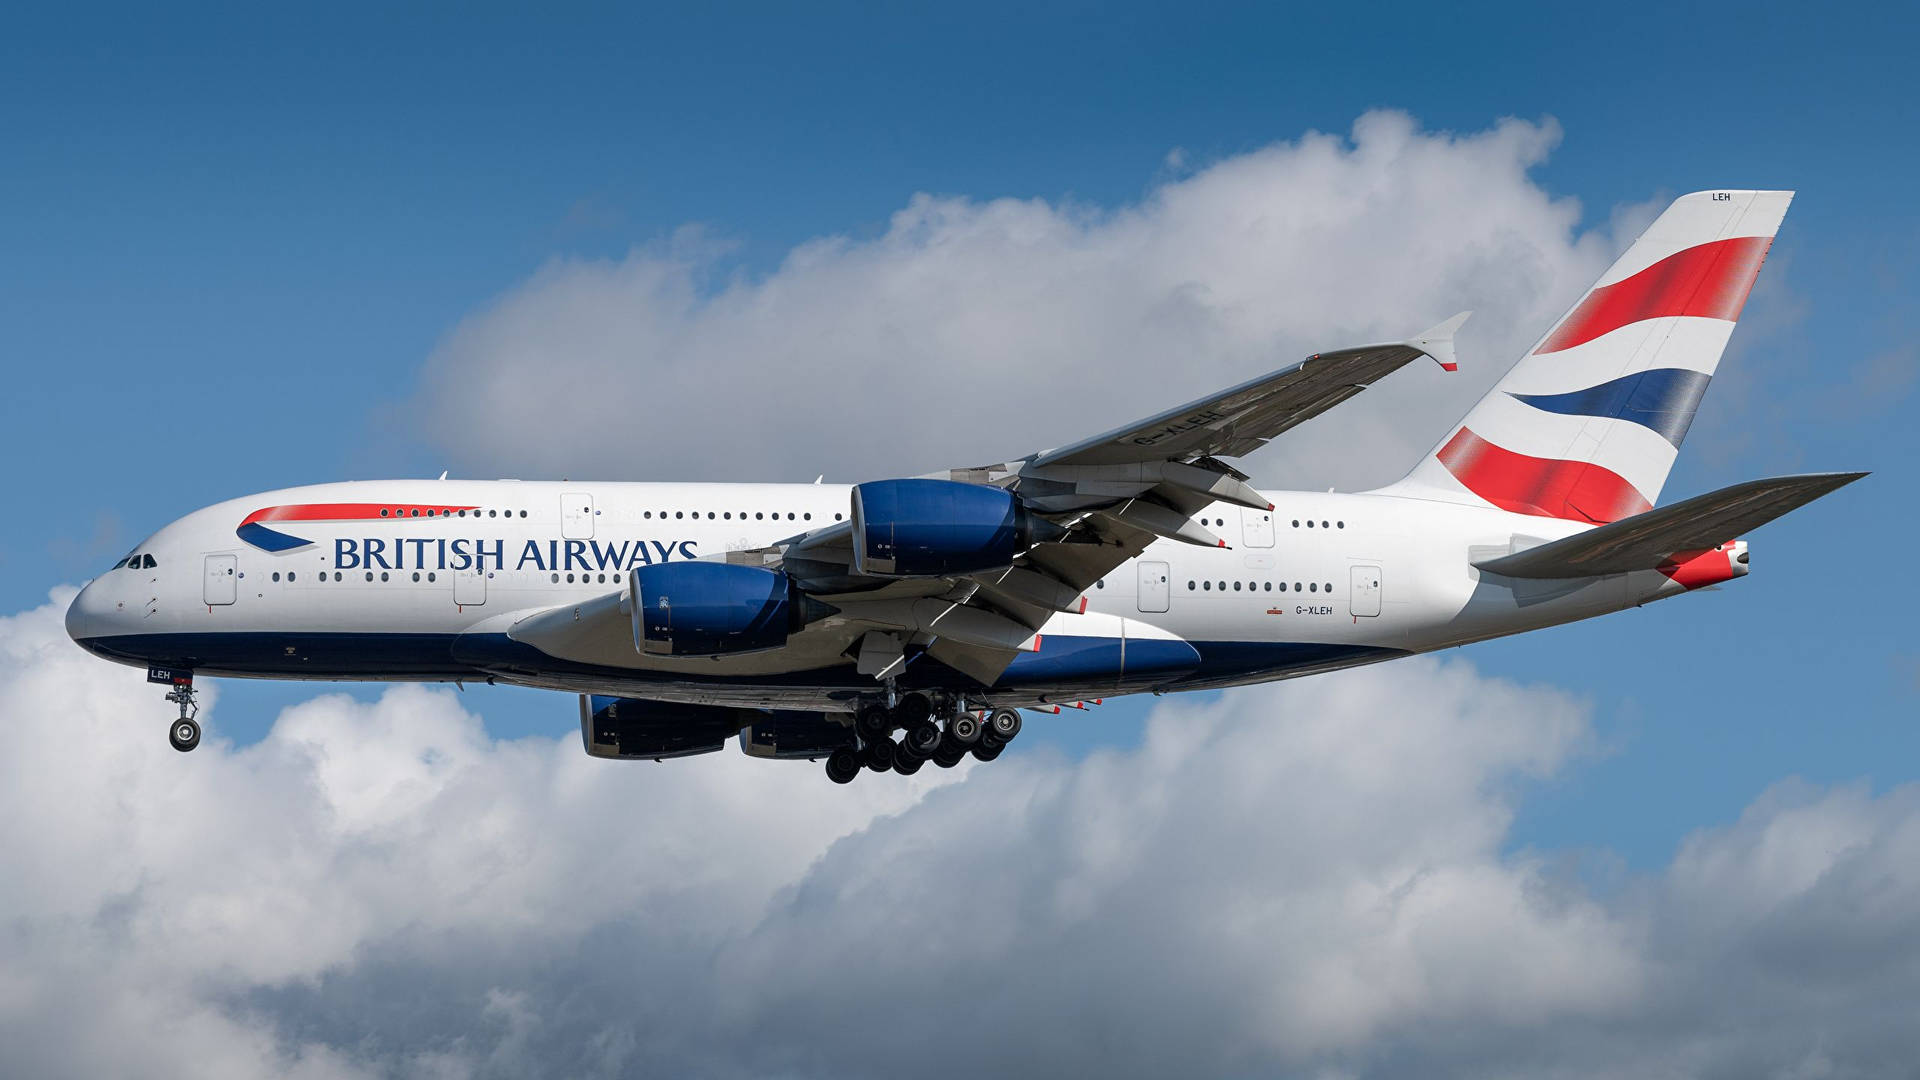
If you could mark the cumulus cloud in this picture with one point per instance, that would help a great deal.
(1312, 878)
(969, 332)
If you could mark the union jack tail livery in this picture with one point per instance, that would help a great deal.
(1586, 426)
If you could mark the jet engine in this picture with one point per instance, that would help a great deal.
(927, 528)
(714, 609)
(613, 727)
(783, 734)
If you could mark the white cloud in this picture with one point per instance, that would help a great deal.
(969, 332)
(1311, 878)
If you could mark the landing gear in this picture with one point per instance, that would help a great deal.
(184, 735)
(873, 722)
(843, 765)
(880, 754)
(963, 729)
(185, 732)
(946, 743)
(923, 738)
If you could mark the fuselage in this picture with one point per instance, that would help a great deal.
(427, 580)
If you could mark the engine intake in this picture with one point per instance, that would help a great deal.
(715, 609)
(928, 528)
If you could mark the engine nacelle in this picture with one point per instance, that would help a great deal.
(926, 528)
(783, 734)
(711, 609)
(612, 727)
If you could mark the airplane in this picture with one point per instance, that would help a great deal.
(817, 621)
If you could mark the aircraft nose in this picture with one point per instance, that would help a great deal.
(93, 614)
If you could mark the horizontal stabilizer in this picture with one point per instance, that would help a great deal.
(1644, 541)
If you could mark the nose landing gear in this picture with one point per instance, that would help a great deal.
(185, 732)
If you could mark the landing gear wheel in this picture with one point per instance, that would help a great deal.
(880, 754)
(990, 741)
(907, 764)
(963, 729)
(988, 751)
(913, 709)
(1004, 723)
(184, 735)
(923, 738)
(948, 757)
(843, 765)
(873, 722)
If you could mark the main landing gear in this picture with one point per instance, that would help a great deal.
(946, 742)
(185, 732)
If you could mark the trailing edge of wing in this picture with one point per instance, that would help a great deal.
(1643, 541)
(1241, 419)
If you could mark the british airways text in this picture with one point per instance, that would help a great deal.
(378, 553)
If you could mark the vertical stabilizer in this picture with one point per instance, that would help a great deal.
(1586, 426)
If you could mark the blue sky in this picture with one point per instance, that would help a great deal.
(230, 240)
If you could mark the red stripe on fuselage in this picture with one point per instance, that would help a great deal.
(1543, 487)
(349, 512)
(1710, 281)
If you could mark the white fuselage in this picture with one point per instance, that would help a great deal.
(431, 581)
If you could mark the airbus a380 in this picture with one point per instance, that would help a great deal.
(817, 621)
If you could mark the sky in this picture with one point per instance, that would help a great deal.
(241, 250)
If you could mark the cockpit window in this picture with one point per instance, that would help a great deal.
(146, 562)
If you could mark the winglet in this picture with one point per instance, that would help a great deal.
(1438, 341)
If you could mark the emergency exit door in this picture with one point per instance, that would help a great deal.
(223, 579)
(1153, 586)
(470, 587)
(1364, 598)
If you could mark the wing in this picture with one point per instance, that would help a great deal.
(1111, 495)
(1240, 420)
(1087, 509)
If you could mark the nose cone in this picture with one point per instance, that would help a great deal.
(93, 615)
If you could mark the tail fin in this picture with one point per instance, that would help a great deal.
(1587, 425)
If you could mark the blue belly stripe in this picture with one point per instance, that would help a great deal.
(1073, 664)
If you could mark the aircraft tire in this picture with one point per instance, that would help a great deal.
(184, 734)
(908, 764)
(991, 741)
(1004, 723)
(912, 709)
(880, 754)
(923, 738)
(947, 758)
(963, 729)
(873, 722)
(988, 751)
(843, 765)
